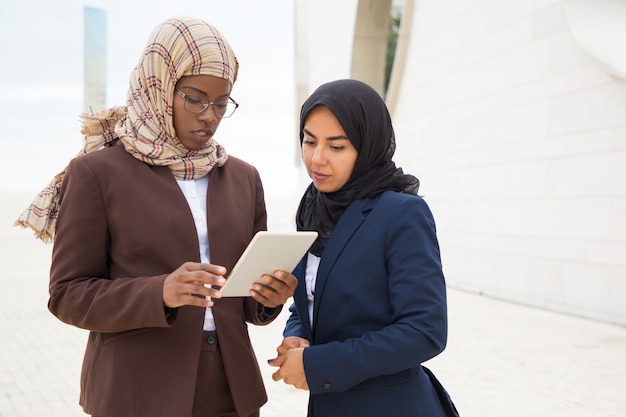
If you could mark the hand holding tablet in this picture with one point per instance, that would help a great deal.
(266, 253)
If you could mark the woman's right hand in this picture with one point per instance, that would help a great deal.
(290, 362)
(291, 342)
(186, 285)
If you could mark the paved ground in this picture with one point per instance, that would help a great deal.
(502, 359)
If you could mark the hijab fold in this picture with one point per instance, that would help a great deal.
(364, 117)
(178, 47)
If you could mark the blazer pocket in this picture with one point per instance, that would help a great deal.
(444, 397)
(114, 337)
(384, 380)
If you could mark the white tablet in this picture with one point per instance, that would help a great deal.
(266, 253)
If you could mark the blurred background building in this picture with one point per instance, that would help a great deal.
(95, 59)
(513, 116)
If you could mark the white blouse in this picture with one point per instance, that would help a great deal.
(310, 277)
(195, 192)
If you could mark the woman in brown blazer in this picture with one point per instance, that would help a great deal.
(144, 231)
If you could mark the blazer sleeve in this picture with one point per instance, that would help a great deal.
(81, 291)
(417, 322)
(293, 327)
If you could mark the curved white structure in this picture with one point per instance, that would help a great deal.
(599, 27)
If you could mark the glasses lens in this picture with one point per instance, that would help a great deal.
(198, 105)
(221, 107)
(225, 108)
(195, 104)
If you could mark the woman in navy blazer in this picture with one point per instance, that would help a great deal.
(370, 305)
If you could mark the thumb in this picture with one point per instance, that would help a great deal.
(277, 361)
(276, 375)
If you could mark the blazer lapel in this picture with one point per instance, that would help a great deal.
(349, 223)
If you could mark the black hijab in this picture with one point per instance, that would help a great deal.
(364, 117)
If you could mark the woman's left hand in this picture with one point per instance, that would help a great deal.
(274, 290)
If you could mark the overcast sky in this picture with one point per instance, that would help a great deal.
(41, 76)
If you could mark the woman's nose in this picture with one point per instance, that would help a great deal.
(318, 156)
(208, 115)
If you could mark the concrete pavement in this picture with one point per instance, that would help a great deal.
(502, 359)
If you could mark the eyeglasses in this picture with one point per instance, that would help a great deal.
(195, 104)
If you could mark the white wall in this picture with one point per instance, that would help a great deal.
(519, 139)
(328, 29)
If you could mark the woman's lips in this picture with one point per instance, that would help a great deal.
(319, 176)
(202, 135)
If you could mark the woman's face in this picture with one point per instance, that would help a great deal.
(328, 154)
(195, 130)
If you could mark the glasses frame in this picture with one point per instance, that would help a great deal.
(208, 104)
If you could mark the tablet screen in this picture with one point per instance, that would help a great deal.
(266, 253)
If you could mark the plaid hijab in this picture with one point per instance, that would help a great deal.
(176, 48)
(364, 117)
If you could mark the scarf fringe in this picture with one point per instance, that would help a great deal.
(41, 215)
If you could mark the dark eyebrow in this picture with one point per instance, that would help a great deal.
(197, 90)
(338, 137)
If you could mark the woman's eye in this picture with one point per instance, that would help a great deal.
(194, 99)
(337, 148)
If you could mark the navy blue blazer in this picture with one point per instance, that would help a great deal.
(379, 312)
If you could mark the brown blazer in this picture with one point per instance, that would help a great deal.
(123, 227)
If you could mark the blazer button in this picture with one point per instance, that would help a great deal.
(210, 340)
(328, 386)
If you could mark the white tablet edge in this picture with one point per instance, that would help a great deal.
(266, 253)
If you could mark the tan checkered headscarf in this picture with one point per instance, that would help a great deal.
(176, 48)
